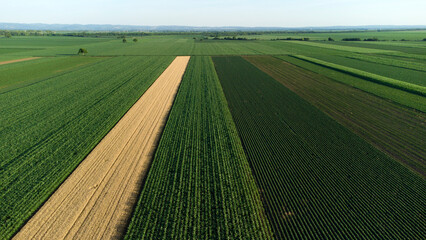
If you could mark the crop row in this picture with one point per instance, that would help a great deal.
(317, 179)
(199, 185)
(405, 86)
(49, 127)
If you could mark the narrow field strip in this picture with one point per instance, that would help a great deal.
(95, 200)
(18, 60)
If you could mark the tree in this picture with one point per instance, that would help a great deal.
(124, 40)
(330, 39)
(82, 51)
(7, 35)
(135, 39)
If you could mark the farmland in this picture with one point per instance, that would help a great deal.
(306, 179)
(208, 190)
(265, 139)
(49, 127)
(115, 165)
(365, 114)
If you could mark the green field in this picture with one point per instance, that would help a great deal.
(266, 139)
(49, 127)
(207, 191)
(317, 178)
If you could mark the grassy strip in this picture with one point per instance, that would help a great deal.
(408, 87)
(395, 95)
(397, 73)
(388, 61)
(49, 127)
(200, 185)
(318, 179)
(395, 130)
(405, 55)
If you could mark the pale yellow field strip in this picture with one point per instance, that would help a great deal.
(18, 60)
(95, 201)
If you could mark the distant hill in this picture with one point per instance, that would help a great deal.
(107, 27)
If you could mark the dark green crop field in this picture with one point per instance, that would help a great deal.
(397, 131)
(318, 179)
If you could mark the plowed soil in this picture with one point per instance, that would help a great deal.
(96, 200)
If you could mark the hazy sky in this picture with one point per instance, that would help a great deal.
(279, 13)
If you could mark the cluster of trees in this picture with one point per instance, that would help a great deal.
(82, 51)
(291, 39)
(125, 40)
(232, 38)
(351, 39)
(359, 39)
(71, 34)
(11, 33)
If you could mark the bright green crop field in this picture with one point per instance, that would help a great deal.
(221, 200)
(266, 138)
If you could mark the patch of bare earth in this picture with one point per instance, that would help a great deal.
(97, 198)
(18, 60)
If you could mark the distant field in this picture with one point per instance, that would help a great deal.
(399, 96)
(382, 35)
(19, 74)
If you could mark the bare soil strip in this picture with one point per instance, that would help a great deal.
(97, 197)
(18, 60)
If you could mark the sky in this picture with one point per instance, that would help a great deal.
(247, 13)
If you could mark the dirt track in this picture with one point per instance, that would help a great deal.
(94, 202)
(18, 60)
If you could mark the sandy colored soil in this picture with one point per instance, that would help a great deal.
(95, 201)
(18, 60)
